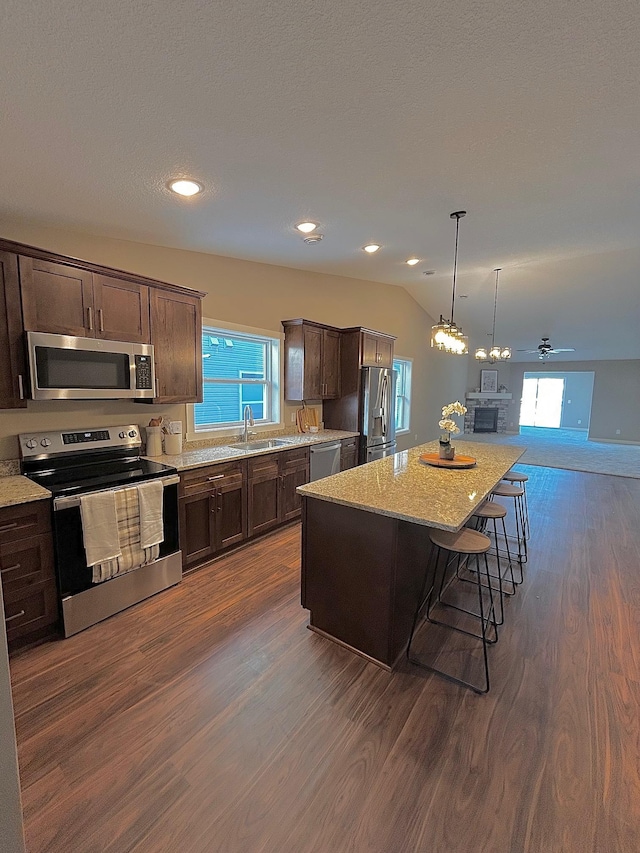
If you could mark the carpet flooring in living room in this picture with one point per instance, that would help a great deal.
(569, 449)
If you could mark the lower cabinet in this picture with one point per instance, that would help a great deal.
(348, 453)
(213, 512)
(273, 481)
(27, 571)
(224, 504)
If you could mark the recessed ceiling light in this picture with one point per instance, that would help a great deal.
(413, 261)
(183, 186)
(371, 248)
(307, 227)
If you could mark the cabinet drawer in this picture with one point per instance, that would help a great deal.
(205, 479)
(264, 466)
(294, 458)
(18, 522)
(26, 563)
(348, 444)
(29, 609)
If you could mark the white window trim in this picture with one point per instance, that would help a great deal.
(406, 429)
(278, 386)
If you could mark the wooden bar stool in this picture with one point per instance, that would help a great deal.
(458, 548)
(520, 479)
(492, 511)
(508, 490)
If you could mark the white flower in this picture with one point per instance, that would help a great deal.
(448, 425)
(453, 408)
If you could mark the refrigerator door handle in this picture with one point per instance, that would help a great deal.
(385, 403)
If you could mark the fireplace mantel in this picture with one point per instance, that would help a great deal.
(486, 396)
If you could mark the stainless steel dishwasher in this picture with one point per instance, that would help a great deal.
(325, 460)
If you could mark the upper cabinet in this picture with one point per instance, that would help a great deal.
(12, 360)
(65, 300)
(376, 349)
(176, 334)
(311, 360)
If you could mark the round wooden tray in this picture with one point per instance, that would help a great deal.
(458, 461)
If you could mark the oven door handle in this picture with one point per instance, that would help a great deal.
(74, 500)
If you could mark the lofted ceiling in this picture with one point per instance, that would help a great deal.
(375, 119)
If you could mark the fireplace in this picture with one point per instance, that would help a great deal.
(485, 420)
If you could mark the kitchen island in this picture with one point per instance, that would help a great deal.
(365, 541)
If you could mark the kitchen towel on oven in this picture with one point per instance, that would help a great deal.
(151, 526)
(99, 527)
(132, 555)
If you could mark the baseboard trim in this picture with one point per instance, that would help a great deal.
(613, 441)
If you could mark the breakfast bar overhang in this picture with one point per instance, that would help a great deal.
(365, 541)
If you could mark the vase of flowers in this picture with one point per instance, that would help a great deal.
(449, 427)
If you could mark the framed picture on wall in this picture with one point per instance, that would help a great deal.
(488, 381)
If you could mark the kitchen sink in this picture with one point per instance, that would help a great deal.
(266, 444)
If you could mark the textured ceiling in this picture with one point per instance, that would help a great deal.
(374, 118)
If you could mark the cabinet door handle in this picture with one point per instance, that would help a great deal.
(217, 477)
(101, 319)
(10, 568)
(212, 504)
(219, 503)
(11, 526)
(20, 386)
(15, 616)
(90, 318)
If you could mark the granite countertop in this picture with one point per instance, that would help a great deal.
(401, 486)
(20, 490)
(202, 456)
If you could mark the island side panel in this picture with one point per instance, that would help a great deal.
(412, 560)
(347, 575)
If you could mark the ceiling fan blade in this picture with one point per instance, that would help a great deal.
(562, 349)
(528, 350)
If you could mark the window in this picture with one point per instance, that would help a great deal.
(402, 366)
(239, 369)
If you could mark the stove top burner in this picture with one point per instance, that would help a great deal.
(76, 479)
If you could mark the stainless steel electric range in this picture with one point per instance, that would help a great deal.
(73, 463)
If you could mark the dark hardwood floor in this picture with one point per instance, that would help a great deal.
(210, 719)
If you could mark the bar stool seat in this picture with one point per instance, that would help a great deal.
(508, 490)
(491, 509)
(465, 541)
(516, 477)
(463, 544)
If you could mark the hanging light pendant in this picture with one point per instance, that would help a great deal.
(496, 353)
(446, 335)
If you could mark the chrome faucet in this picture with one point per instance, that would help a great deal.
(247, 417)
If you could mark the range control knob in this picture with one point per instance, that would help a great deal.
(122, 435)
(132, 433)
(45, 442)
(31, 443)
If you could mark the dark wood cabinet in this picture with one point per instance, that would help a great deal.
(176, 333)
(348, 453)
(121, 309)
(264, 496)
(27, 572)
(13, 378)
(66, 300)
(213, 514)
(57, 298)
(273, 480)
(311, 360)
(294, 472)
(376, 350)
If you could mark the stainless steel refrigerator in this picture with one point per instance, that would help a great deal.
(377, 425)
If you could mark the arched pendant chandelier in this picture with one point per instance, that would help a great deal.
(496, 353)
(445, 335)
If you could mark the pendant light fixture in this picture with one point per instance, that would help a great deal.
(445, 335)
(496, 353)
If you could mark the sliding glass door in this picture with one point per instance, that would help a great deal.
(541, 402)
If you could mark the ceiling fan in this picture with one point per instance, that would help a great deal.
(545, 349)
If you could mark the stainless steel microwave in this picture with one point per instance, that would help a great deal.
(62, 367)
